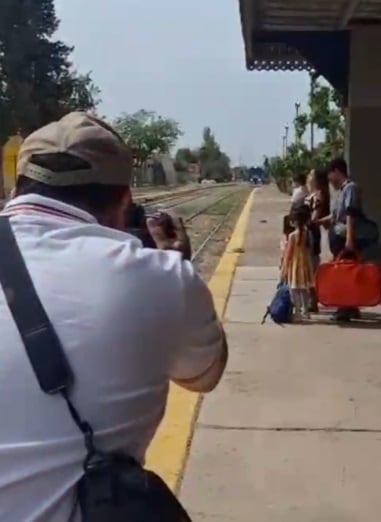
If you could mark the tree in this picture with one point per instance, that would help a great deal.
(82, 93)
(147, 133)
(300, 126)
(214, 163)
(38, 83)
(325, 113)
(185, 157)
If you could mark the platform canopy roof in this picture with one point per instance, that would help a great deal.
(304, 34)
(279, 16)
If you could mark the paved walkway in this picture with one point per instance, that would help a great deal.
(293, 433)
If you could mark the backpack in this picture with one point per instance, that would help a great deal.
(281, 307)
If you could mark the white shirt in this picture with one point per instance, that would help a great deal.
(299, 194)
(130, 319)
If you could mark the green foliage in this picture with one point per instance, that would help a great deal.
(297, 160)
(214, 163)
(37, 83)
(300, 124)
(147, 133)
(82, 93)
(325, 113)
(184, 158)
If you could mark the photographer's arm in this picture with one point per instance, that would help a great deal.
(206, 381)
(202, 353)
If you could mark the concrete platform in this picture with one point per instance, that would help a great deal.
(293, 433)
(284, 477)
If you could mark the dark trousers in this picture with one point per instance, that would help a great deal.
(336, 244)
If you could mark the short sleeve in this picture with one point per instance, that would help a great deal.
(352, 200)
(296, 195)
(202, 339)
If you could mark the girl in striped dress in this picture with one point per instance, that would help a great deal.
(297, 269)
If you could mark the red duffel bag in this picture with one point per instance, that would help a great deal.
(348, 283)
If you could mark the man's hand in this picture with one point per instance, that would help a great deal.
(174, 239)
(325, 221)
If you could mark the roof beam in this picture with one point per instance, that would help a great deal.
(349, 11)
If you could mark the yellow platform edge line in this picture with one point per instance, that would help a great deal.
(169, 450)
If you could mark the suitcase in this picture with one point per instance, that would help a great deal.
(348, 283)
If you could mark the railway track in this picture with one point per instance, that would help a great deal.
(154, 198)
(205, 210)
(218, 226)
(185, 200)
(196, 255)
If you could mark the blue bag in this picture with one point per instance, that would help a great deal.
(281, 307)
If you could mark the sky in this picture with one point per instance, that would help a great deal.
(185, 60)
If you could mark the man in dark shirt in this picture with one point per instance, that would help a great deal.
(346, 209)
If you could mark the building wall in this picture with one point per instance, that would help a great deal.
(169, 169)
(10, 153)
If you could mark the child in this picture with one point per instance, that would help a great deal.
(287, 229)
(297, 268)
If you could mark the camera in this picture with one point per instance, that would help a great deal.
(136, 224)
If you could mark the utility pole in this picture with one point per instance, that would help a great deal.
(286, 130)
(312, 93)
(297, 112)
(284, 145)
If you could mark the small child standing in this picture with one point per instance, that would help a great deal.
(297, 267)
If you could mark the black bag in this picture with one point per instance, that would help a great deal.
(114, 487)
(366, 230)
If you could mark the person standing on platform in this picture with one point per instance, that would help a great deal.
(318, 202)
(350, 232)
(300, 190)
(297, 268)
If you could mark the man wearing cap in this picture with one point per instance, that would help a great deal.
(130, 319)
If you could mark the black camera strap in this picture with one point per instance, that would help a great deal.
(41, 342)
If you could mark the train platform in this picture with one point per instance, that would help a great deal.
(293, 432)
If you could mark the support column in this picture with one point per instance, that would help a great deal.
(363, 146)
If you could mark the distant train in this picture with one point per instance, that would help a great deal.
(258, 176)
(255, 180)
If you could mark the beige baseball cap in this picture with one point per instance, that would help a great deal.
(84, 136)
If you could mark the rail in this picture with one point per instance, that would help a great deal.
(216, 229)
